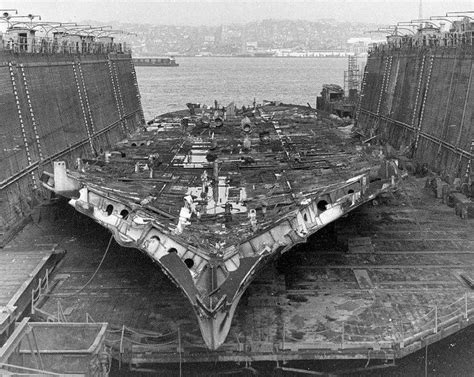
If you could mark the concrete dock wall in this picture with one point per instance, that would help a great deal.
(421, 98)
(58, 107)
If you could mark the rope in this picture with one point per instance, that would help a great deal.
(93, 275)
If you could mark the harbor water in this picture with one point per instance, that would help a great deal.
(225, 79)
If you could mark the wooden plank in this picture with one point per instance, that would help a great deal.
(360, 245)
(20, 276)
(14, 340)
(363, 279)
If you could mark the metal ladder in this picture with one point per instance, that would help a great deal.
(21, 121)
(86, 123)
(422, 109)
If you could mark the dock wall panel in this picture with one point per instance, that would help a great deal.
(421, 99)
(13, 155)
(375, 69)
(54, 100)
(129, 93)
(100, 94)
(58, 107)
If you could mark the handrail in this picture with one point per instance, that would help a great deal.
(58, 46)
(38, 292)
(343, 336)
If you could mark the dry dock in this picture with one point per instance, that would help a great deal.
(382, 283)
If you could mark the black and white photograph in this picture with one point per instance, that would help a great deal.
(237, 188)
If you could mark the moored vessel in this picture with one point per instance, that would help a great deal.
(155, 62)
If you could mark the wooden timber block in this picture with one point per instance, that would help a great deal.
(446, 191)
(360, 245)
(439, 188)
(363, 279)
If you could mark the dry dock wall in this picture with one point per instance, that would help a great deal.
(422, 98)
(58, 107)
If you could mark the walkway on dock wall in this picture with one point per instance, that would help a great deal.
(58, 106)
(421, 98)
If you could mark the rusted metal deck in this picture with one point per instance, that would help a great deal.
(382, 283)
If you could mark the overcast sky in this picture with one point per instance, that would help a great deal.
(201, 12)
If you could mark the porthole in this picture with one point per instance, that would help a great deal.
(155, 239)
(322, 205)
(124, 213)
(109, 209)
(189, 262)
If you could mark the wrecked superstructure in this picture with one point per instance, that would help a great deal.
(213, 197)
(340, 103)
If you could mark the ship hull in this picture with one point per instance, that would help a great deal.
(215, 301)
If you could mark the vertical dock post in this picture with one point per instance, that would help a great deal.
(121, 346)
(179, 350)
(283, 336)
(342, 336)
(465, 305)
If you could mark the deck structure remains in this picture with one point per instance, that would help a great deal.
(213, 197)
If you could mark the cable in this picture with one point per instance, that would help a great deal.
(93, 275)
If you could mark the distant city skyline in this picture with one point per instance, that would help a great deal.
(212, 13)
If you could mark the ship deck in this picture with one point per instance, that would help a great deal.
(382, 283)
(223, 171)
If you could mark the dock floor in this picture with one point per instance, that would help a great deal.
(381, 283)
